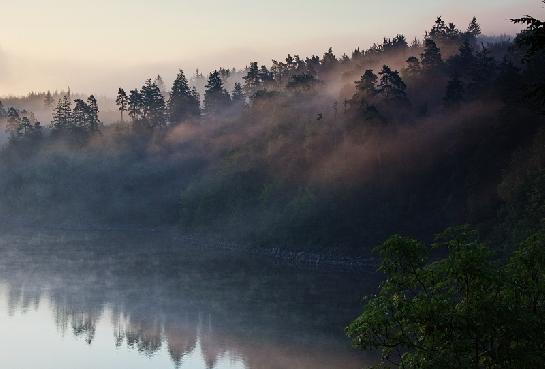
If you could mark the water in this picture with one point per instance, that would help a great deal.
(129, 300)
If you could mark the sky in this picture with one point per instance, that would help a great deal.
(95, 46)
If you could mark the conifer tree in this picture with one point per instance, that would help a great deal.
(474, 29)
(13, 128)
(252, 79)
(390, 85)
(367, 84)
(62, 115)
(182, 102)
(237, 96)
(431, 57)
(216, 97)
(135, 105)
(153, 105)
(93, 121)
(122, 101)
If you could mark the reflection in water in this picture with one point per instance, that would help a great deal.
(201, 308)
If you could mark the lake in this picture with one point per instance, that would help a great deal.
(131, 299)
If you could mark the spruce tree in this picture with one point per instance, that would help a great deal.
(182, 102)
(62, 115)
(216, 97)
(153, 105)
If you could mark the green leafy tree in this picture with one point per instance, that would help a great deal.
(466, 309)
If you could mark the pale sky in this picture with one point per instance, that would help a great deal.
(95, 46)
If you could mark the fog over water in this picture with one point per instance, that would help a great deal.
(99, 299)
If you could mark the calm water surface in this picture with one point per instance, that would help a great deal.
(117, 300)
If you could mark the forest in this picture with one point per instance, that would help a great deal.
(329, 153)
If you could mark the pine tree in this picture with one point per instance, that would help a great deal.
(135, 105)
(80, 114)
(391, 86)
(431, 57)
(216, 97)
(153, 105)
(252, 79)
(62, 115)
(329, 60)
(122, 101)
(182, 102)
(474, 29)
(93, 121)
(367, 84)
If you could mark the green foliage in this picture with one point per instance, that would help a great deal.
(461, 309)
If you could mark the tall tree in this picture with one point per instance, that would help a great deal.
(62, 115)
(135, 105)
(474, 29)
(252, 79)
(216, 98)
(93, 123)
(390, 85)
(367, 83)
(182, 102)
(153, 105)
(431, 57)
(122, 101)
